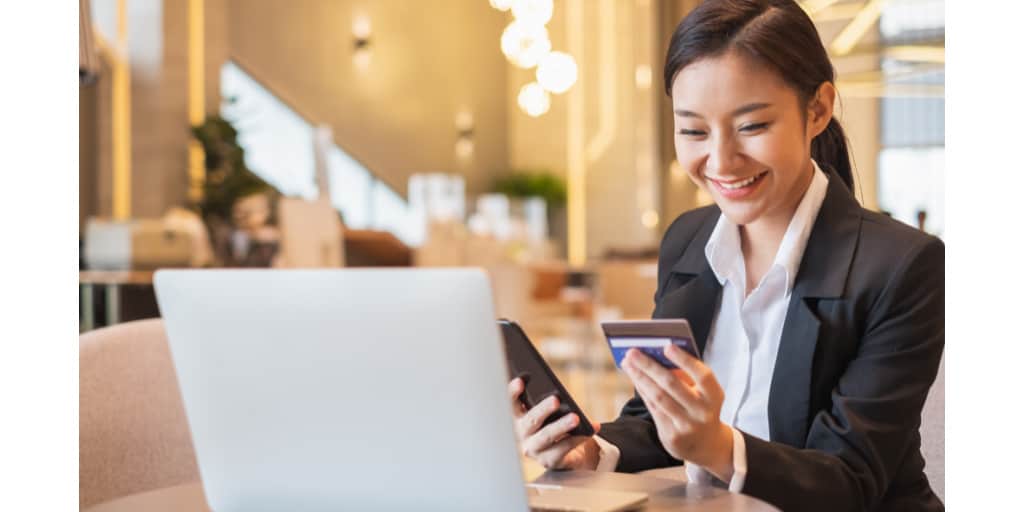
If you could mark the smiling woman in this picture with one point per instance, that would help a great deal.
(820, 323)
(747, 145)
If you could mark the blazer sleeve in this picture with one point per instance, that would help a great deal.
(852, 450)
(633, 432)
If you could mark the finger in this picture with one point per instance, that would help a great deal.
(662, 421)
(656, 395)
(668, 380)
(515, 388)
(553, 457)
(541, 441)
(703, 378)
(534, 418)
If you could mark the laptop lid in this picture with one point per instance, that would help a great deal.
(365, 389)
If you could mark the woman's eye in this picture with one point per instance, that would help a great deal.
(750, 128)
(692, 133)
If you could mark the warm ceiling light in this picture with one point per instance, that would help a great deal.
(676, 171)
(533, 12)
(464, 149)
(649, 219)
(557, 72)
(361, 27)
(933, 54)
(643, 76)
(361, 32)
(534, 100)
(525, 45)
(853, 32)
(814, 6)
(464, 121)
(502, 5)
(837, 12)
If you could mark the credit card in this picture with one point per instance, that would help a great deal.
(653, 347)
(650, 337)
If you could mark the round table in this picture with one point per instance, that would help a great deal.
(664, 494)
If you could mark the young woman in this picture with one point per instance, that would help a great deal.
(821, 324)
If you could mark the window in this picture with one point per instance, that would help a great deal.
(351, 185)
(392, 213)
(279, 147)
(278, 143)
(911, 164)
(912, 180)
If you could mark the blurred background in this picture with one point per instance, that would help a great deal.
(528, 137)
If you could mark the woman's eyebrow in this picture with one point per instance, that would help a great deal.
(745, 109)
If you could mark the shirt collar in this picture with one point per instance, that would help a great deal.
(724, 253)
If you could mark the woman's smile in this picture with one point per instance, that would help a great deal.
(737, 188)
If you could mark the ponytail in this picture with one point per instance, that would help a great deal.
(829, 149)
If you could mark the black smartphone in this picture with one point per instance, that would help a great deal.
(540, 382)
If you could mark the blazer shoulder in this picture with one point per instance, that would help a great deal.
(885, 233)
(892, 258)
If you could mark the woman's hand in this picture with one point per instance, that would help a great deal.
(551, 445)
(685, 405)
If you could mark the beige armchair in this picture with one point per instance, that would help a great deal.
(133, 436)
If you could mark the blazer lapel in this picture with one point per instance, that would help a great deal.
(822, 275)
(697, 293)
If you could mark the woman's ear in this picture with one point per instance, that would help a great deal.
(819, 111)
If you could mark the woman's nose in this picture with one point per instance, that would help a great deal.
(722, 156)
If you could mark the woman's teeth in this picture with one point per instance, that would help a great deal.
(740, 184)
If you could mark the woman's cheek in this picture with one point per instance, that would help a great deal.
(689, 155)
(762, 149)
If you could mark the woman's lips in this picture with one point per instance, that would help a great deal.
(738, 189)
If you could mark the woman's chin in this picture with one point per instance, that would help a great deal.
(739, 214)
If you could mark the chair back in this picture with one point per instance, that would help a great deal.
(133, 435)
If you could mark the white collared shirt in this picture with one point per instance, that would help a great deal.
(746, 330)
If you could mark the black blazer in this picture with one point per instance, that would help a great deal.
(860, 348)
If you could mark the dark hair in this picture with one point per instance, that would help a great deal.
(777, 33)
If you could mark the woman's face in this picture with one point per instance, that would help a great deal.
(742, 135)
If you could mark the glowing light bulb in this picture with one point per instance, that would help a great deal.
(534, 100)
(649, 219)
(533, 12)
(525, 45)
(502, 5)
(643, 76)
(464, 148)
(464, 120)
(557, 72)
(361, 27)
(676, 171)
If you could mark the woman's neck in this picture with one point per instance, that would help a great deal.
(760, 240)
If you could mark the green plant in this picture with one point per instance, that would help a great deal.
(227, 177)
(539, 183)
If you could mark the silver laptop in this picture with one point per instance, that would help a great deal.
(366, 389)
